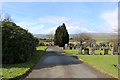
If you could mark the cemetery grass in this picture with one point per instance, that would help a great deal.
(17, 70)
(103, 63)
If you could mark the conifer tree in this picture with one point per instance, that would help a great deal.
(61, 36)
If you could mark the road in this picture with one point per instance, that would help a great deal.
(56, 64)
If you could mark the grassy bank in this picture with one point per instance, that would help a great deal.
(17, 70)
(104, 63)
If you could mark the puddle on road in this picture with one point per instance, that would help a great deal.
(60, 60)
(52, 60)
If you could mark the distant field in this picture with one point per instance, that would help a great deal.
(104, 63)
(101, 39)
(96, 36)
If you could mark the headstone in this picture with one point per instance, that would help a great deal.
(65, 47)
(86, 51)
(90, 45)
(74, 47)
(92, 51)
(100, 44)
(118, 50)
(100, 53)
(98, 47)
(105, 51)
(78, 46)
(94, 45)
(70, 48)
(79, 51)
(115, 48)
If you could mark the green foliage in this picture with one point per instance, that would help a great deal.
(61, 36)
(111, 44)
(17, 70)
(18, 44)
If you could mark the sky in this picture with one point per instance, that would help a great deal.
(79, 17)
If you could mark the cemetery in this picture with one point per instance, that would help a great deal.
(101, 56)
(59, 40)
(93, 49)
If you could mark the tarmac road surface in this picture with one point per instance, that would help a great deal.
(56, 64)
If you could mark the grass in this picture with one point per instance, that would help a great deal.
(17, 70)
(96, 51)
(104, 63)
(101, 39)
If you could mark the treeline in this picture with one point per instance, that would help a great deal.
(18, 45)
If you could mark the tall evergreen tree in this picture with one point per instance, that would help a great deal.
(61, 36)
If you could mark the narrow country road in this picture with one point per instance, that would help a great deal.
(56, 64)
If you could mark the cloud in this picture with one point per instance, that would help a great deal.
(26, 25)
(73, 25)
(33, 27)
(71, 29)
(111, 20)
(36, 29)
(51, 30)
(53, 19)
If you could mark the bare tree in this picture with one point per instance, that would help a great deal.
(82, 37)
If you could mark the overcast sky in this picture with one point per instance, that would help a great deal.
(45, 17)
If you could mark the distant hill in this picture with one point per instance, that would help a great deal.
(41, 35)
(103, 36)
(96, 36)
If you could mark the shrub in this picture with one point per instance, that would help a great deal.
(18, 44)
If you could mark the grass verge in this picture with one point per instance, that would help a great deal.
(16, 71)
(103, 63)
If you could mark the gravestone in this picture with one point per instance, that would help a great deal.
(118, 50)
(105, 51)
(90, 44)
(92, 51)
(100, 53)
(66, 46)
(100, 44)
(86, 51)
(94, 45)
(78, 46)
(98, 47)
(70, 47)
(74, 47)
(79, 51)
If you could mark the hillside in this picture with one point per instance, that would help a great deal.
(96, 36)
